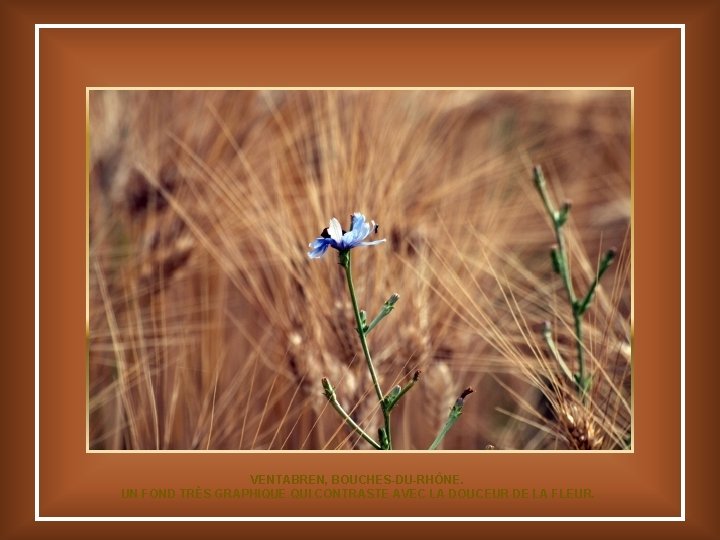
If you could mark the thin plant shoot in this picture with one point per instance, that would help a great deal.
(579, 305)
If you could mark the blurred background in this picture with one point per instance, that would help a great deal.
(210, 328)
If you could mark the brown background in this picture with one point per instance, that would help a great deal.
(69, 61)
(73, 482)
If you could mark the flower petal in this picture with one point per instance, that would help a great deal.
(319, 241)
(357, 221)
(373, 243)
(319, 251)
(366, 230)
(360, 230)
(350, 239)
(335, 230)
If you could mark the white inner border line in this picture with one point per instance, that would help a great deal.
(682, 271)
(37, 272)
(361, 26)
(680, 27)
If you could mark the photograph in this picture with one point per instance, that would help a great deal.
(360, 269)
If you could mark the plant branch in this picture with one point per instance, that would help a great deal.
(384, 312)
(455, 413)
(547, 334)
(605, 263)
(332, 398)
(561, 265)
(393, 399)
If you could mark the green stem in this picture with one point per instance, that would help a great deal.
(448, 425)
(604, 265)
(561, 261)
(403, 391)
(547, 334)
(384, 312)
(558, 220)
(332, 398)
(345, 262)
(455, 413)
(582, 381)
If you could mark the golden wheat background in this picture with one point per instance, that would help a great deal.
(210, 328)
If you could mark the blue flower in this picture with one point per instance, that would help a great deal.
(336, 238)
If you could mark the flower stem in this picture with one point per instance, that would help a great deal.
(345, 262)
(332, 398)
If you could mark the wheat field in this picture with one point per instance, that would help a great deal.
(210, 328)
